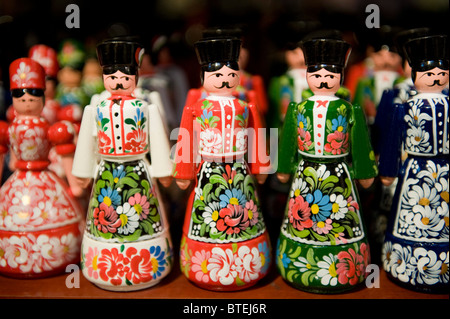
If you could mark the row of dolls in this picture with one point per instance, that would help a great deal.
(220, 156)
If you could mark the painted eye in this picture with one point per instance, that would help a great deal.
(113, 77)
(127, 78)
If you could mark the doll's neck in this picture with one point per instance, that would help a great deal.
(330, 97)
(216, 97)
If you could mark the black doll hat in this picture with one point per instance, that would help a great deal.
(326, 51)
(120, 51)
(211, 50)
(427, 50)
(406, 35)
(222, 32)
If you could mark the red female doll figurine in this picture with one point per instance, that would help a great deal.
(126, 244)
(323, 247)
(225, 245)
(40, 221)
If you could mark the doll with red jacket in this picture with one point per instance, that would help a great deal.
(225, 245)
(40, 224)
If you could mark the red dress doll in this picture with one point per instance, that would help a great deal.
(39, 219)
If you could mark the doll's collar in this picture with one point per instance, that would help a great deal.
(323, 97)
(123, 97)
(428, 95)
(220, 97)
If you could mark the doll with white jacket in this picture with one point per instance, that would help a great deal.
(126, 244)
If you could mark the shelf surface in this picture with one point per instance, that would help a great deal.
(176, 286)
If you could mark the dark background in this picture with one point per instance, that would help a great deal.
(24, 23)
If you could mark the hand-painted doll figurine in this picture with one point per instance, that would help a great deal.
(288, 87)
(40, 220)
(71, 58)
(400, 92)
(382, 194)
(322, 246)
(416, 247)
(384, 74)
(126, 244)
(47, 58)
(225, 245)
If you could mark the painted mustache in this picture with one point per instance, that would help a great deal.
(225, 84)
(436, 82)
(119, 86)
(324, 85)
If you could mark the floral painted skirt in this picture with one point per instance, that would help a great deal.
(322, 246)
(126, 244)
(225, 245)
(416, 247)
(40, 225)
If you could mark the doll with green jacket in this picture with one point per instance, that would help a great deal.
(325, 145)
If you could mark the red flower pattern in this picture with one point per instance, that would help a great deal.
(137, 141)
(229, 174)
(106, 218)
(350, 267)
(337, 143)
(232, 219)
(136, 267)
(304, 139)
(140, 265)
(104, 142)
(111, 266)
(299, 213)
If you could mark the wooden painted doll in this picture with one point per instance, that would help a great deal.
(416, 247)
(126, 244)
(322, 246)
(40, 220)
(47, 58)
(225, 245)
(71, 58)
(385, 71)
(399, 93)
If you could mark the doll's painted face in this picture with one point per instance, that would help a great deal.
(323, 82)
(385, 60)
(28, 105)
(295, 58)
(221, 82)
(69, 77)
(431, 81)
(119, 83)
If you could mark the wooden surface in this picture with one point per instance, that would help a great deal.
(176, 286)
